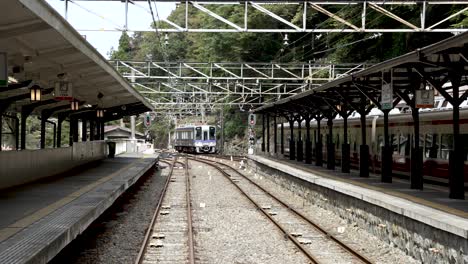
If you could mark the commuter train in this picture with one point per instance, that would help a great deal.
(195, 139)
(435, 139)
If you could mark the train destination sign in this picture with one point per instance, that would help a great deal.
(63, 90)
(424, 98)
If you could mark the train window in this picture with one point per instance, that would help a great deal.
(395, 143)
(212, 133)
(431, 146)
(380, 143)
(198, 133)
(404, 145)
(446, 145)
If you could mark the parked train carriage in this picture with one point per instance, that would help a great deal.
(435, 140)
(195, 139)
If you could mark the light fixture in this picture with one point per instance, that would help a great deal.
(75, 105)
(166, 39)
(285, 43)
(99, 113)
(36, 92)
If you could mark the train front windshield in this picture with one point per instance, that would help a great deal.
(198, 134)
(212, 133)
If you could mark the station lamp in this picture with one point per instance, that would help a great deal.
(166, 39)
(75, 105)
(99, 113)
(36, 92)
(286, 40)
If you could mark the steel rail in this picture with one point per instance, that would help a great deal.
(343, 245)
(149, 231)
(189, 215)
(311, 257)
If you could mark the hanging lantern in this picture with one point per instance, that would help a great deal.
(285, 43)
(99, 113)
(36, 93)
(166, 39)
(75, 105)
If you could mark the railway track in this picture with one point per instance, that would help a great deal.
(171, 222)
(308, 236)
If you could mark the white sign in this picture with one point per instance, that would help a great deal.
(424, 98)
(387, 97)
(3, 70)
(63, 90)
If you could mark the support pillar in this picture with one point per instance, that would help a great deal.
(91, 130)
(386, 168)
(330, 145)
(318, 146)
(70, 134)
(84, 130)
(345, 147)
(75, 130)
(59, 131)
(308, 144)
(268, 133)
(44, 117)
(282, 138)
(98, 129)
(364, 148)
(102, 129)
(292, 144)
(275, 132)
(300, 145)
(416, 177)
(263, 133)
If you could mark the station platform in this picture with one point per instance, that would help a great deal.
(430, 206)
(38, 220)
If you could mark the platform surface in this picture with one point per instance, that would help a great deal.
(39, 219)
(430, 206)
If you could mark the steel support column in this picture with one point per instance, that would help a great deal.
(364, 148)
(318, 145)
(102, 129)
(75, 130)
(91, 130)
(386, 167)
(345, 147)
(1, 130)
(416, 177)
(282, 138)
(84, 130)
(44, 117)
(98, 129)
(308, 145)
(456, 157)
(330, 145)
(292, 144)
(263, 132)
(275, 134)
(268, 133)
(300, 145)
(60, 120)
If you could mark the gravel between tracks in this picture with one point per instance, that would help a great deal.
(360, 239)
(117, 236)
(228, 228)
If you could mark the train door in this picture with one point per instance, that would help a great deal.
(205, 135)
(198, 133)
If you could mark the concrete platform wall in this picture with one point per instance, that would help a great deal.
(19, 167)
(424, 242)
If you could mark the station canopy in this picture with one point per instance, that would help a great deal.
(438, 66)
(43, 49)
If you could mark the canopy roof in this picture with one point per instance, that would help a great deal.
(436, 65)
(36, 38)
